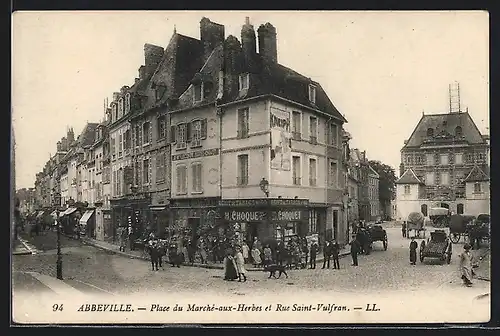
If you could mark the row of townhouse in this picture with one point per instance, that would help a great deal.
(213, 137)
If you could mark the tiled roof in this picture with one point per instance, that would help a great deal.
(276, 79)
(477, 175)
(88, 135)
(409, 177)
(444, 125)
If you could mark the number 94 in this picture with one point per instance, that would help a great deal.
(57, 307)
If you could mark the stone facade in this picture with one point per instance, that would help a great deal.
(441, 153)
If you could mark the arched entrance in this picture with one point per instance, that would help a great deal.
(460, 208)
(444, 205)
(423, 209)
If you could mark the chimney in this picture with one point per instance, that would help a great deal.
(232, 53)
(211, 35)
(267, 43)
(152, 57)
(142, 72)
(248, 43)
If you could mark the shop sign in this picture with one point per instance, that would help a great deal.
(264, 202)
(287, 215)
(197, 154)
(141, 196)
(244, 216)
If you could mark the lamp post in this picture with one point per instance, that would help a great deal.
(264, 186)
(57, 201)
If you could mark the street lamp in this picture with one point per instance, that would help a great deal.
(264, 186)
(57, 201)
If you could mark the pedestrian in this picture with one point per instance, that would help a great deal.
(256, 256)
(403, 229)
(155, 255)
(268, 255)
(123, 238)
(466, 265)
(327, 253)
(202, 251)
(230, 269)
(245, 250)
(335, 255)
(413, 251)
(313, 252)
(240, 264)
(355, 248)
(280, 253)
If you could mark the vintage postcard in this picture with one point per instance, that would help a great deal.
(250, 167)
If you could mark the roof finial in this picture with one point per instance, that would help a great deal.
(423, 112)
(175, 29)
(247, 20)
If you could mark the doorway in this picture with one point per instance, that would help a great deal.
(445, 205)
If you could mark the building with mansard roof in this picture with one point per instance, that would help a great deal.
(444, 163)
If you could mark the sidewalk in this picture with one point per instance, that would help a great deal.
(138, 254)
(21, 247)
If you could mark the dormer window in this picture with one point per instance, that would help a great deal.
(312, 94)
(120, 107)
(127, 103)
(114, 109)
(244, 81)
(430, 132)
(198, 92)
(458, 131)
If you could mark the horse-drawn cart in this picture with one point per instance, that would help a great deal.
(438, 246)
(459, 227)
(378, 233)
(440, 217)
(415, 222)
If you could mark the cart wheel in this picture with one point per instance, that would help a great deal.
(385, 244)
(422, 247)
(455, 238)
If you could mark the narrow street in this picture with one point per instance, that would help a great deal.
(380, 271)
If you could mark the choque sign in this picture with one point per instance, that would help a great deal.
(244, 216)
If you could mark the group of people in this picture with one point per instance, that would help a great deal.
(234, 265)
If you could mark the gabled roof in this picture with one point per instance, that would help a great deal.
(88, 135)
(374, 172)
(409, 177)
(477, 175)
(444, 126)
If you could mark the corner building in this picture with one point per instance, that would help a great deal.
(256, 147)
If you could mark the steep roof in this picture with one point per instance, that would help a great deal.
(477, 175)
(444, 126)
(409, 177)
(276, 79)
(87, 136)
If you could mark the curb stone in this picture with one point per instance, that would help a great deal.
(207, 266)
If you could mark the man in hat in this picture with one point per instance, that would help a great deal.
(413, 251)
(466, 265)
(313, 251)
(355, 249)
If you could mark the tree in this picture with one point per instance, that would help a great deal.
(387, 183)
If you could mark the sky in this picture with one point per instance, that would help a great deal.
(382, 70)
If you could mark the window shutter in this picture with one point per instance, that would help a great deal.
(328, 134)
(189, 127)
(203, 129)
(173, 130)
(150, 169)
(150, 128)
(178, 178)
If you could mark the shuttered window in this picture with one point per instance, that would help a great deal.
(160, 167)
(181, 179)
(197, 174)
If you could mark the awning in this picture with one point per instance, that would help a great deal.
(40, 214)
(86, 216)
(68, 211)
(157, 208)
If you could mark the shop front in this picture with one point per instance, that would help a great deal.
(267, 219)
(160, 213)
(131, 211)
(193, 218)
(88, 223)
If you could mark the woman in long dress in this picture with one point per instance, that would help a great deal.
(256, 256)
(466, 265)
(240, 265)
(230, 269)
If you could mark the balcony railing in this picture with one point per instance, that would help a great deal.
(313, 140)
(312, 182)
(242, 180)
(296, 181)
